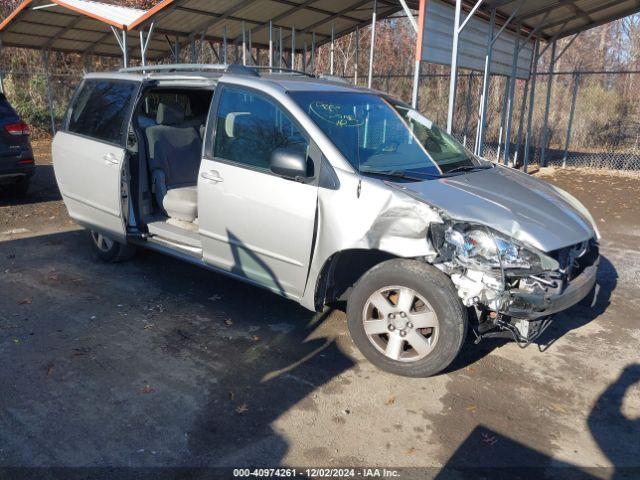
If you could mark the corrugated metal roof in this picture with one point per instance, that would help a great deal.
(110, 13)
(74, 26)
(83, 26)
(189, 18)
(558, 18)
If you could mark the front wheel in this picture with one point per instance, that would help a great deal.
(109, 250)
(406, 318)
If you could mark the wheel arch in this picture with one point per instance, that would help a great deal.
(342, 270)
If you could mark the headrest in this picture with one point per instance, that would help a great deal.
(230, 122)
(170, 114)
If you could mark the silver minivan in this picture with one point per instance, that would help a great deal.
(326, 194)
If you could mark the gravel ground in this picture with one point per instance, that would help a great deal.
(156, 363)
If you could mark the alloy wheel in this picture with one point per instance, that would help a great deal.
(400, 323)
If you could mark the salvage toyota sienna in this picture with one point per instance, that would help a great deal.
(326, 194)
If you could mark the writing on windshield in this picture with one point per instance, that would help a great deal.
(376, 135)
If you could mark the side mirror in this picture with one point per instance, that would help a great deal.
(289, 162)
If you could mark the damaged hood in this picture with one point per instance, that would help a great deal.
(511, 202)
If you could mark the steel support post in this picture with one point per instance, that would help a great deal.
(280, 45)
(357, 57)
(453, 83)
(333, 46)
(486, 80)
(143, 56)
(532, 97)
(270, 43)
(125, 50)
(250, 47)
(244, 45)
(545, 121)
(225, 57)
(145, 40)
(576, 86)
(416, 84)
(121, 38)
(468, 112)
(293, 48)
(511, 97)
(373, 42)
(419, 28)
(503, 110)
(457, 29)
(203, 35)
(45, 61)
(304, 57)
(86, 63)
(313, 52)
(523, 108)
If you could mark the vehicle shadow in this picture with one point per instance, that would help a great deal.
(617, 435)
(486, 453)
(564, 322)
(43, 188)
(184, 367)
(248, 264)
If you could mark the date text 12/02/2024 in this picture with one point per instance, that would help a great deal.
(315, 473)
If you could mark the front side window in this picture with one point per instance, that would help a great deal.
(100, 109)
(249, 127)
(378, 136)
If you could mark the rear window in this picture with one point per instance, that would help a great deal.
(6, 110)
(100, 108)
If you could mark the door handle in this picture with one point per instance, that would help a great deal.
(110, 159)
(212, 176)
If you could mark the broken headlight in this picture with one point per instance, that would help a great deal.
(481, 247)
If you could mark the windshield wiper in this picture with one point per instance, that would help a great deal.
(468, 168)
(402, 174)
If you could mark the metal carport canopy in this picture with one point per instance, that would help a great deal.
(547, 20)
(224, 19)
(557, 18)
(71, 26)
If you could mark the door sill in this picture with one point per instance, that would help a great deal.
(173, 236)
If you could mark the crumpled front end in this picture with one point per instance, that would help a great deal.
(517, 302)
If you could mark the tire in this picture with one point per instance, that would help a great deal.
(431, 294)
(20, 187)
(109, 250)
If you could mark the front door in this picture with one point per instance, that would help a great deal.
(254, 223)
(89, 153)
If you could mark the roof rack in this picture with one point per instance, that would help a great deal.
(236, 69)
(281, 70)
(178, 67)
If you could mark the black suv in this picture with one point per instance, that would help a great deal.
(16, 157)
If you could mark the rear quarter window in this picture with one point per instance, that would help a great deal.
(100, 109)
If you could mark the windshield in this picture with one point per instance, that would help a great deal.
(381, 136)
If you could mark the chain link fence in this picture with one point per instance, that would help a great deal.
(605, 131)
(27, 93)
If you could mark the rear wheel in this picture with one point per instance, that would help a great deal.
(406, 318)
(109, 250)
